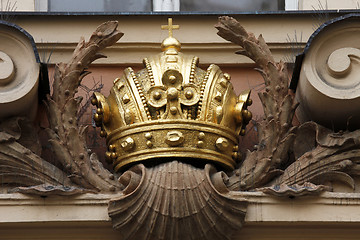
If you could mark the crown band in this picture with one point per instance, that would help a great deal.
(173, 138)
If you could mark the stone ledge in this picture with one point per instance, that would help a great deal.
(130, 54)
(17, 208)
(327, 208)
(84, 217)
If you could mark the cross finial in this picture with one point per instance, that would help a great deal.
(170, 27)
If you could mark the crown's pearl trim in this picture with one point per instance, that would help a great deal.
(202, 89)
(194, 63)
(227, 76)
(201, 136)
(150, 71)
(172, 79)
(112, 148)
(157, 95)
(173, 110)
(148, 135)
(189, 94)
(200, 144)
(149, 144)
(224, 82)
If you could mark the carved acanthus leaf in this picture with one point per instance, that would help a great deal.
(276, 134)
(323, 156)
(20, 164)
(65, 135)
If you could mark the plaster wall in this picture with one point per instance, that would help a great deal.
(41, 5)
(328, 4)
(22, 5)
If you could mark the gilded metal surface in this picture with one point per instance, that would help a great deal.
(172, 108)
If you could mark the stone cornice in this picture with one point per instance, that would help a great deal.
(59, 34)
(329, 207)
(131, 54)
(85, 216)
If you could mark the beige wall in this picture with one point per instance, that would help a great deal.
(328, 4)
(41, 5)
(24, 5)
(17, 5)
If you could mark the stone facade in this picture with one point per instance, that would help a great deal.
(85, 216)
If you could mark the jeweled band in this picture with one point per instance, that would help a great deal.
(174, 139)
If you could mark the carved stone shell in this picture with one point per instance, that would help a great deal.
(176, 201)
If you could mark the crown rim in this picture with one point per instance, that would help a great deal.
(173, 139)
(170, 124)
(203, 156)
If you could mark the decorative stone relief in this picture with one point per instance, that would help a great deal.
(170, 129)
(320, 154)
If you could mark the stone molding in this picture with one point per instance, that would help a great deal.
(139, 40)
(329, 207)
(85, 216)
(126, 54)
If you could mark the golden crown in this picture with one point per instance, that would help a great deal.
(172, 109)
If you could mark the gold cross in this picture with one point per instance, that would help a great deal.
(170, 27)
